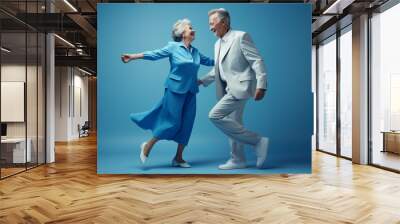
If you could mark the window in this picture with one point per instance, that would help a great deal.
(385, 88)
(346, 75)
(327, 95)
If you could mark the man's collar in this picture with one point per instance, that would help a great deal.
(226, 36)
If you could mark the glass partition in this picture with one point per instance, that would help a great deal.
(22, 88)
(15, 151)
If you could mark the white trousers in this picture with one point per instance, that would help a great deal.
(227, 115)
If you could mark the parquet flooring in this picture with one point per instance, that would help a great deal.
(70, 191)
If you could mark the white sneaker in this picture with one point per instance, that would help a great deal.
(230, 165)
(143, 157)
(261, 151)
(181, 165)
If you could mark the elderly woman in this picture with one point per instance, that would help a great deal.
(173, 117)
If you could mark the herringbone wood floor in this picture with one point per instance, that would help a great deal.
(70, 191)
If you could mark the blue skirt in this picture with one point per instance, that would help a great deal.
(171, 119)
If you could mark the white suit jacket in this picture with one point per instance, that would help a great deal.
(242, 65)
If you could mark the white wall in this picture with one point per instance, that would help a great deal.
(70, 83)
(13, 73)
(62, 81)
(80, 105)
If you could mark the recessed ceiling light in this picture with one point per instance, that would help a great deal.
(338, 6)
(64, 40)
(71, 6)
(5, 50)
(84, 71)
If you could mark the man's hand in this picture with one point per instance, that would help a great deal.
(259, 94)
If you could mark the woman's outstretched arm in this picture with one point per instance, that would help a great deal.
(128, 57)
(149, 55)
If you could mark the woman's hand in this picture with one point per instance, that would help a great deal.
(126, 58)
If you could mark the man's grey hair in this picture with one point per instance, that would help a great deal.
(178, 28)
(222, 14)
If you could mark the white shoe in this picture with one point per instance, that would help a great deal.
(143, 157)
(230, 165)
(261, 151)
(181, 165)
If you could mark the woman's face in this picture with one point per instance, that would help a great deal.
(188, 33)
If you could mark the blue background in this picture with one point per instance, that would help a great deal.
(281, 32)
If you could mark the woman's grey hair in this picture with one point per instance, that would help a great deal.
(222, 14)
(178, 28)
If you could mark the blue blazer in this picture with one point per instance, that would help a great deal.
(185, 64)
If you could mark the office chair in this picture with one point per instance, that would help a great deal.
(84, 130)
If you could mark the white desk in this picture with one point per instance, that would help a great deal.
(19, 149)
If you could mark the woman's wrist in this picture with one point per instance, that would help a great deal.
(135, 56)
(132, 57)
(139, 56)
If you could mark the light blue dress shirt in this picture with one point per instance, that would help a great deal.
(185, 64)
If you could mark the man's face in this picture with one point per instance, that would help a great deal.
(217, 26)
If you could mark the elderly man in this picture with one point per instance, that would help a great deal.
(239, 73)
